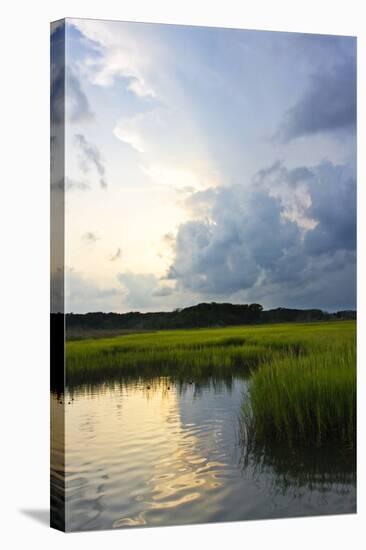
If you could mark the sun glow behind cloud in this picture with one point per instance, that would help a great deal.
(171, 123)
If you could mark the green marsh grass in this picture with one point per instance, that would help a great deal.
(302, 376)
(178, 352)
(309, 399)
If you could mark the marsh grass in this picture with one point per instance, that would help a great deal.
(307, 400)
(179, 353)
(302, 384)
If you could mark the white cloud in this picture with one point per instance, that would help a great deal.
(140, 87)
(291, 188)
(129, 131)
(122, 54)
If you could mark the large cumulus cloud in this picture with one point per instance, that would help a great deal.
(288, 239)
(243, 237)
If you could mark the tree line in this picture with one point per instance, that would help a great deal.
(201, 315)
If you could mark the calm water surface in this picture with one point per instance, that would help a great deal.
(162, 453)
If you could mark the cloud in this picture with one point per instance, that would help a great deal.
(328, 105)
(91, 156)
(116, 256)
(135, 291)
(334, 205)
(129, 131)
(83, 295)
(158, 122)
(242, 238)
(66, 90)
(327, 282)
(57, 98)
(69, 184)
(242, 243)
(144, 291)
(139, 288)
(168, 238)
(90, 238)
(188, 130)
(77, 103)
(163, 291)
(292, 188)
(121, 63)
(122, 54)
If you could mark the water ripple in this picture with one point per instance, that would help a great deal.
(151, 457)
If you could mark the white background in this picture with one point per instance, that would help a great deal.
(24, 249)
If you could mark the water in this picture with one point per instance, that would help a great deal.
(161, 453)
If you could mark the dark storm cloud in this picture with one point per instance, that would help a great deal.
(91, 156)
(328, 105)
(326, 281)
(241, 239)
(334, 205)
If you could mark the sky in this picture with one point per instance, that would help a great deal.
(205, 164)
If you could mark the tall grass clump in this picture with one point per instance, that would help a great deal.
(309, 399)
